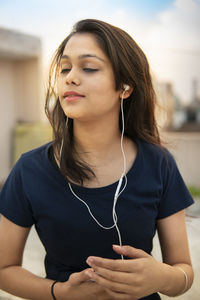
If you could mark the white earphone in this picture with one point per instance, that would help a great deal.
(126, 87)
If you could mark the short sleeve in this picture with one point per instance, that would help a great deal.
(175, 195)
(14, 203)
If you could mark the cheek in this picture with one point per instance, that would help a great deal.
(101, 89)
(94, 86)
(104, 91)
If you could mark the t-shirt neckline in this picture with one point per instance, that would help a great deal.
(92, 190)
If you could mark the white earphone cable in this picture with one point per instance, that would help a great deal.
(117, 192)
(104, 227)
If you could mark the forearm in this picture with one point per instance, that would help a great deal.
(174, 281)
(24, 284)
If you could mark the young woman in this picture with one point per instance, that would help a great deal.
(98, 192)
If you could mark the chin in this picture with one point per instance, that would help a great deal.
(76, 116)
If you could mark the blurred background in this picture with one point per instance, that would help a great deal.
(169, 33)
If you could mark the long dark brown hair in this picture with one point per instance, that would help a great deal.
(131, 67)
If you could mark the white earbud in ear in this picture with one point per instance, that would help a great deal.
(126, 87)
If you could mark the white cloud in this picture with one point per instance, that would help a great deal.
(173, 45)
(178, 27)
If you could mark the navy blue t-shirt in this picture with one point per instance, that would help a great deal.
(37, 193)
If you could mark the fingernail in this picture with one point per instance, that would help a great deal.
(89, 261)
(117, 246)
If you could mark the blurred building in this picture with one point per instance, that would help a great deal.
(166, 104)
(192, 122)
(20, 88)
(172, 114)
(180, 129)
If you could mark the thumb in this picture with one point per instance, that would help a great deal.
(130, 251)
(79, 277)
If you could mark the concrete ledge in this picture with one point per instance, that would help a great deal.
(16, 45)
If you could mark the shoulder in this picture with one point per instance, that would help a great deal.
(156, 160)
(155, 153)
(37, 154)
(18, 197)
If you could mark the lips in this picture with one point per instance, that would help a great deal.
(71, 94)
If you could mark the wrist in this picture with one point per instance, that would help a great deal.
(166, 278)
(52, 290)
(175, 281)
(186, 280)
(58, 290)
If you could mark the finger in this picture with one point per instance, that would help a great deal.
(110, 264)
(111, 285)
(116, 276)
(79, 277)
(130, 251)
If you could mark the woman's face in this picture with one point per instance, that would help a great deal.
(86, 83)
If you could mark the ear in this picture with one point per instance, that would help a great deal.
(126, 92)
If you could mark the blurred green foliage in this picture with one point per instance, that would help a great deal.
(28, 136)
(194, 190)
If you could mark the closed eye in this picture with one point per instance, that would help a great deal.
(89, 70)
(65, 70)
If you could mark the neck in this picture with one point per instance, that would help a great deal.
(95, 141)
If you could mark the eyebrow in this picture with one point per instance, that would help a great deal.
(84, 56)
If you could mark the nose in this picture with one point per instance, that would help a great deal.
(72, 77)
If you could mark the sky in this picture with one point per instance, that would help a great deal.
(168, 31)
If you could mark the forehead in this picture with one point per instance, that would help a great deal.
(81, 43)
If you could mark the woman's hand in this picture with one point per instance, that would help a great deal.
(127, 279)
(80, 287)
